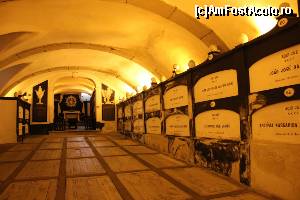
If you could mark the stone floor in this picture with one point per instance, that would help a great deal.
(99, 167)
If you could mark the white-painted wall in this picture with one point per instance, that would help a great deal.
(8, 121)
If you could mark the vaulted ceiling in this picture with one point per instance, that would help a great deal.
(124, 43)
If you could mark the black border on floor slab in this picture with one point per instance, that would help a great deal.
(11, 178)
(61, 182)
(124, 193)
(181, 186)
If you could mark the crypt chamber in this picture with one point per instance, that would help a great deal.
(139, 99)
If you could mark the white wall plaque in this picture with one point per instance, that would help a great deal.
(27, 114)
(128, 111)
(176, 97)
(278, 123)
(26, 129)
(153, 125)
(216, 86)
(127, 125)
(138, 108)
(178, 125)
(138, 126)
(120, 113)
(21, 112)
(8, 121)
(152, 104)
(20, 129)
(277, 70)
(220, 124)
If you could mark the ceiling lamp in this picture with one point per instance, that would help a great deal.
(145, 87)
(284, 4)
(74, 74)
(153, 82)
(128, 95)
(213, 51)
(191, 64)
(175, 70)
(243, 38)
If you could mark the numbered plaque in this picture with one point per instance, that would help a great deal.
(127, 125)
(152, 104)
(21, 112)
(278, 123)
(128, 111)
(120, 112)
(138, 126)
(178, 124)
(138, 108)
(27, 114)
(153, 125)
(26, 129)
(276, 70)
(221, 124)
(20, 129)
(216, 86)
(176, 97)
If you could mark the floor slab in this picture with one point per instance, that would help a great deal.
(97, 138)
(125, 142)
(201, 181)
(149, 185)
(93, 188)
(77, 144)
(52, 145)
(116, 137)
(111, 151)
(23, 147)
(124, 164)
(161, 161)
(85, 175)
(75, 139)
(40, 169)
(6, 169)
(103, 144)
(43, 189)
(80, 152)
(83, 166)
(33, 140)
(139, 149)
(55, 139)
(47, 154)
(244, 196)
(13, 156)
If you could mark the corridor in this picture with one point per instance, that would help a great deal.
(99, 167)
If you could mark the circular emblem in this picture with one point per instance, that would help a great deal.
(289, 92)
(282, 22)
(71, 101)
(212, 104)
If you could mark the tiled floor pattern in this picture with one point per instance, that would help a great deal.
(106, 167)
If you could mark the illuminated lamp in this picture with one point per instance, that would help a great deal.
(153, 82)
(191, 64)
(213, 51)
(145, 87)
(243, 38)
(163, 78)
(127, 95)
(175, 70)
(74, 74)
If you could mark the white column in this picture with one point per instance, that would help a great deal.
(50, 106)
(98, 102)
